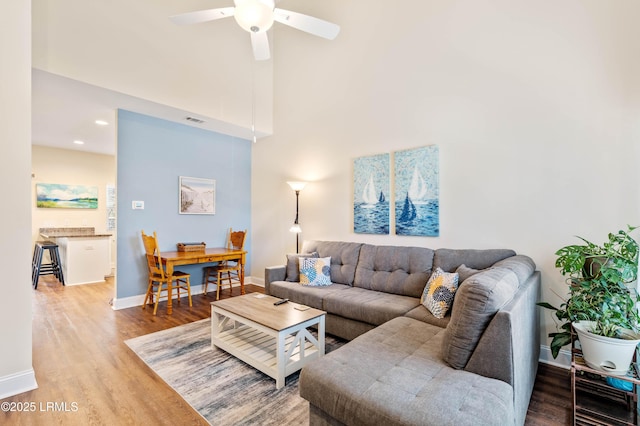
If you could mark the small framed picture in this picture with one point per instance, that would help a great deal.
(197, 196)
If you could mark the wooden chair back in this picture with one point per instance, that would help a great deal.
(236, 239)
(152, 253)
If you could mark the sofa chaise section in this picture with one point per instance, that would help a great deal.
(394, 375)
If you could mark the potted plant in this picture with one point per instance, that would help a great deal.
(600, 301)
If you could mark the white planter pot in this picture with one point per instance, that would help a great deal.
(607, 354)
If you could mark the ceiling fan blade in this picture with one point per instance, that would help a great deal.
(202, 16)
(260, 44)
(306, 23)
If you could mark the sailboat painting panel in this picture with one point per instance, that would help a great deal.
(417, 183)
(371, 188)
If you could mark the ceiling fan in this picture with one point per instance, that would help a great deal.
(256, 17)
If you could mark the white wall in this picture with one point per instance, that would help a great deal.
(16, 371)
(70, 167)
(534, 105)
(131, 47)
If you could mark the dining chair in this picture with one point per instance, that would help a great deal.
(228, 270)
(159, 280)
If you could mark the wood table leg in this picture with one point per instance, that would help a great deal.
(215, 327)
(321, 331)
(242, 279)
(280, 360)
(169, 272)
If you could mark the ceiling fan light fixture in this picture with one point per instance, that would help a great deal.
(255, 16)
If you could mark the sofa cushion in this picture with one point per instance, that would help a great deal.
(449, 259)
(344, 257)
(522, 266)
(438, 294)
(314, 271)
(372, 307)
(304, 294)
(392, 269)
(394, 375)
(422, 314)
(476, 302)
(293, 265)
(465, 272)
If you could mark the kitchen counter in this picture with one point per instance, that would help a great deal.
(70, 232)
(85, 255)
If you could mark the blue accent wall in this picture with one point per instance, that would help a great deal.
(152, 155)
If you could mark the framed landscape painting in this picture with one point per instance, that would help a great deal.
(417, 191)
(58, 196)
(371, 194)
(197, 195)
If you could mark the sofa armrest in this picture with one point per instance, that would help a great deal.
(273, 273)
(510, 346)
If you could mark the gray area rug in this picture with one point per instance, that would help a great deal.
(223, 389)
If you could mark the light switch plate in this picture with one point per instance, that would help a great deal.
(137, 205)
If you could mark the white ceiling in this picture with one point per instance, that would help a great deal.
(65, 110)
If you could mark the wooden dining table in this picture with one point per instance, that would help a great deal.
(172, 259)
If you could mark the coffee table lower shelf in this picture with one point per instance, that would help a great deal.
(276, 353)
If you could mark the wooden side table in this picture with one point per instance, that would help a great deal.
(595, 402)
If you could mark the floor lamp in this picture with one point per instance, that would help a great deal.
(295, 228)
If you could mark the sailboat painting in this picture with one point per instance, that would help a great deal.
(371, 194)
(417, 186)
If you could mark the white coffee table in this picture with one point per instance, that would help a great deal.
(272, 339)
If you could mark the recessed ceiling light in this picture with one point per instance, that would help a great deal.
(101, 123)
(78, 142)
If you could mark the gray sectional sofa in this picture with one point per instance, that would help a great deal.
(403, 366)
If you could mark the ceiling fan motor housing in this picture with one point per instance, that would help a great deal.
(255, 16)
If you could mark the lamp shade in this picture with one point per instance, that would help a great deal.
(255, 16)
(295, 228)
(297, 186)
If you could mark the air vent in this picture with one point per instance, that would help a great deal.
(194, 120)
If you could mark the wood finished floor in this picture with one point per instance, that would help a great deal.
(84, 367)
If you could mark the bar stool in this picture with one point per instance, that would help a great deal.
(53, 268)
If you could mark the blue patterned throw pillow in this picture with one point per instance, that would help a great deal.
(438, 294)
(293, 265)
(315, 271)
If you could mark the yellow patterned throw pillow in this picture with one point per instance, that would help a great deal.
(438, 294)
(315, 271)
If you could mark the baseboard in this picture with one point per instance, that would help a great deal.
(17, 383)
(563, 360)
(138, 300)
(127, 302)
